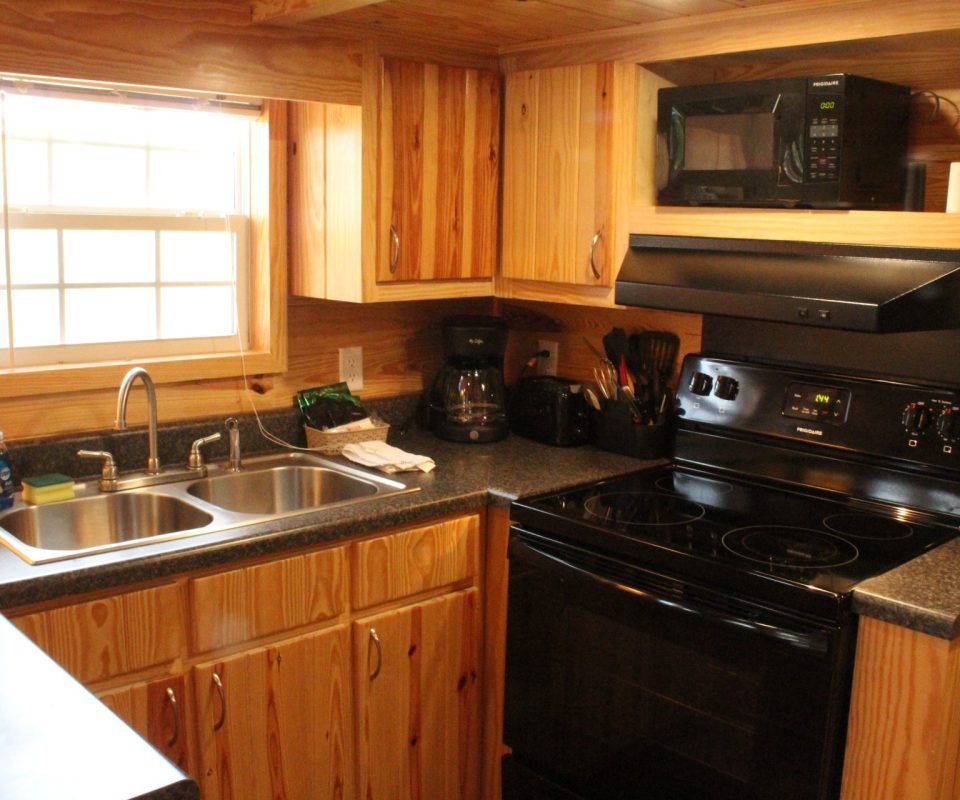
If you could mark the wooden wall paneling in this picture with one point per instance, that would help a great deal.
(343, 202)
(290, 12)
(406, 563)
(482, 203)
(904, 729)
(205, 46)
(100, 639)
(250, 602)
(572, 327)
(454, 90)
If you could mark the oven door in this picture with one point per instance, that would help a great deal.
(621, 683)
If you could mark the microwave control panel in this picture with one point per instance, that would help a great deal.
(824, 115)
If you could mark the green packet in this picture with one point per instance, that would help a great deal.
(334, 391)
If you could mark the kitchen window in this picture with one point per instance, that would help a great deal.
(137, 227)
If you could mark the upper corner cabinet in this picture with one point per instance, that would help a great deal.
(567, 155)
(438, 167)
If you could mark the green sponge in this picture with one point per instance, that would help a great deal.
(49, 488)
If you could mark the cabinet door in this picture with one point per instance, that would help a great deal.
(415, 673)
(157, 710)
(439, 162)
(558, 178)
(275, 722)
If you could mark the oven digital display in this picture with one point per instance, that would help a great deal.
(808, 401)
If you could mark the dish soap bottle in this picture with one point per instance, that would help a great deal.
(6, 476)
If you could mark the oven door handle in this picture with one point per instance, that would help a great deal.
(766, 624)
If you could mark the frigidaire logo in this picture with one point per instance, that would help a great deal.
(826, 83)
(811, 431)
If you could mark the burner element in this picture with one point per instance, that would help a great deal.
(868, 526)
(784, 546)
(641, 508)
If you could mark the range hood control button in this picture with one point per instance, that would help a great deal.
(701, 383)
(917, 417)
(727, 388)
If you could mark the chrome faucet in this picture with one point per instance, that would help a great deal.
(153, 462)
(233, 436)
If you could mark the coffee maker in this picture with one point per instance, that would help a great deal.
(467, 401)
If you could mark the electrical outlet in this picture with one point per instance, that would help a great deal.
(547, 365)
(351, 367)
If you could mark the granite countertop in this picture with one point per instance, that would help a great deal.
(59, 741)
(923, 594)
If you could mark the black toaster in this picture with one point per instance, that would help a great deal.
(549, 409)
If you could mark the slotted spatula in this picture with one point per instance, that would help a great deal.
(657, 351)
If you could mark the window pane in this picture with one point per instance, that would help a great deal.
(196, 256)
(197, 311)
(28, 174)
(195, 130)
(36, 317)
(192, 180)
(33, 257)
(106, 123)
(109, 256)
(28, 116)
(110, 315)
(99, 177)
(4, 328)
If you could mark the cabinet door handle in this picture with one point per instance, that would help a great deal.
(172, 698)
(593, 246)
(394, 249)
(223, 702)
(375, 640)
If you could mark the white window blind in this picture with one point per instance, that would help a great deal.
(126, 222)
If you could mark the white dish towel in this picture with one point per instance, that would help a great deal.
(386, 458)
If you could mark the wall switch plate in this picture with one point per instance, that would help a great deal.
(547, 365)
(351, 367)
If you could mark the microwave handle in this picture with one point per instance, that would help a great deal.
(815, 641)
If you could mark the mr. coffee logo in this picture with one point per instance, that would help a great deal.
(810, 431)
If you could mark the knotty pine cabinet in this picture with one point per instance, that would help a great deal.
(568, 155)
(256, 679)
(397, 199)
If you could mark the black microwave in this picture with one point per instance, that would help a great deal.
(830, 141)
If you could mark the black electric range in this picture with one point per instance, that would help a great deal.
(686, 631)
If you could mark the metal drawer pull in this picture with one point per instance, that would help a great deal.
(172, 697)
(376, 641)
(223, 702)
(394, 249)
(593, 246)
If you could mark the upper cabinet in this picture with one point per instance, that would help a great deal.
(438, 168)
(397, 199)
(568, 155)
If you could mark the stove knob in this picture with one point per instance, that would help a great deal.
(727, 388)
(701, 383)
(917, 417)
(948, 424)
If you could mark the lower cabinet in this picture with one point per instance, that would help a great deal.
(276, 721)
(417, 700)
(338, 673)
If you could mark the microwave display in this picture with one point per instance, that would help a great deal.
(832, 141)
(728, 141)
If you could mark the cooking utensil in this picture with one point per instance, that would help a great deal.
(615, 344)
(592, 398)
(657, 351)
(606, 377)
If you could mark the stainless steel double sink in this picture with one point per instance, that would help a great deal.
(268, 488)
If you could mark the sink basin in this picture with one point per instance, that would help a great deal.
(281, 490)
(102, 522)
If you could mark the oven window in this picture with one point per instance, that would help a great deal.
(728, 142)
(608, 693)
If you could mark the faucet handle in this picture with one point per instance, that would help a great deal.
(195, 459)
(108, 470)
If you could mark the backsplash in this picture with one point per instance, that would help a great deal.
(129, 448)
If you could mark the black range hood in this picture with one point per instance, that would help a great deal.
(867, 288)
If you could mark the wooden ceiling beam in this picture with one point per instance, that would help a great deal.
(292, 12)
(791, 23)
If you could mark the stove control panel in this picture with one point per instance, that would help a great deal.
(876, 417)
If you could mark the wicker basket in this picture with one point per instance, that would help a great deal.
(331, 444)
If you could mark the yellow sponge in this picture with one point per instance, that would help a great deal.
(48, 488)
